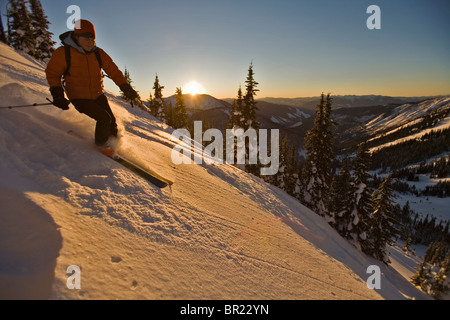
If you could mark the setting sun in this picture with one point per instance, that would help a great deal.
(193, 88)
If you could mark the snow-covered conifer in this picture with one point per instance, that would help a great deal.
(432, 273)
(281, 178)
(363, 201)
(43, 43)
(293, 180)
(316, 174)
(249, 103)
(20, 30)
(250, 120)
(384, 228)
(180, 116)
(237, 112)
(343, 201)
(158, 105)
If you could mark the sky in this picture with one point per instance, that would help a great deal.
(298, 48)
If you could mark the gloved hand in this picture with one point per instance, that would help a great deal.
(129, 92)
(58, 98)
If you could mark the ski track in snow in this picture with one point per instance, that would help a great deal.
(217, 233)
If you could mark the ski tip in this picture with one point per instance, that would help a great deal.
(107, 151)
(147, 174)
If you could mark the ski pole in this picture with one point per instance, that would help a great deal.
(28, 105)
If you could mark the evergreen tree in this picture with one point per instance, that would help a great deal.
(243, 116)
(407, 244)
(20, 30)
(126, 73)
(363, 201)
(281, 178)
(287, 178)
(236, 120)
(293, 180)
(250, 121)
(43, 43)
(158, 105)
(405, 222)
(169, 115)
(432, 273)
(440, 286)
(343, 201)
(180, 116)
(422, 277)
(316, 174)
(149, 100)
(384, 229)
(249, 103)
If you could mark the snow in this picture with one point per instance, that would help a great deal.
(298, 116)
(302, 114)
(406, 264)
(275, 120)
(217, 233)
(434, 206)
(442, 125)
(297, 124)
(406, 113)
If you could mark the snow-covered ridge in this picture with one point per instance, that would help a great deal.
(406, 116)
(199, 102)
(344, 101)
(292, 119)
(218, 233)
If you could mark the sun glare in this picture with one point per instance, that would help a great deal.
(193, 88)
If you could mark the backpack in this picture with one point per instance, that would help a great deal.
(68, 55)
(68, 59)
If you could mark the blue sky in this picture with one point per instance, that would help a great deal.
(298, 48)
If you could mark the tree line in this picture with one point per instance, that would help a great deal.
(432, 273)
(27, 29)
(429, 120)
(364, 217)
(362, 210)
(412, 151)
(360, 207)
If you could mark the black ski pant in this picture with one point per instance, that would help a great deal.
(99, 110)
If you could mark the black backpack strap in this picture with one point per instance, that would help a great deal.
(68, 60)
(99, 58)
(62, 37)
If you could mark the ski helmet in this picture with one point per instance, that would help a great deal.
(85, 27)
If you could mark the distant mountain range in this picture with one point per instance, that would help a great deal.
(200, 102)
(346, 101)
(207, 102)
(357, 117)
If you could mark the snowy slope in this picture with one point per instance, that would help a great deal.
(218, 233)
(408, 115)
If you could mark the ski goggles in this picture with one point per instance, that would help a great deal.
(87, 35)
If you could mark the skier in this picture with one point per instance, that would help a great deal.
(77, 67)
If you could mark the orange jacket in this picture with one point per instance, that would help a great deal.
(85, 80)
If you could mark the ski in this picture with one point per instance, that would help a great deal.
(150, 176)
(147, 174)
